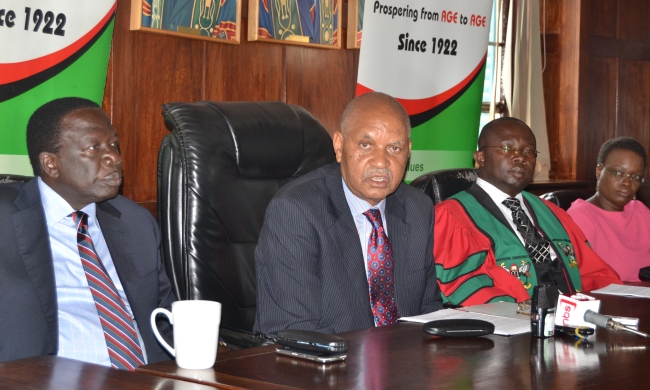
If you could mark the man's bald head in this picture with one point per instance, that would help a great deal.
(491, 128)
(369, 102)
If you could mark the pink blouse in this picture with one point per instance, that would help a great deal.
(622, 238)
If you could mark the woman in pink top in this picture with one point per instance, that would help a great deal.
(616, 225)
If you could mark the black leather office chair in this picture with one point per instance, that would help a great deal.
(440, 185)
(8, 178)
(564, 198)
(217, 172)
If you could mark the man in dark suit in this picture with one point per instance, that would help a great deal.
(326, 260)
(57, 227)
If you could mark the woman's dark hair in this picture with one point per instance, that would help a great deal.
(625, 143)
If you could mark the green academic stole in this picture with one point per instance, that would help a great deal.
(509, 253)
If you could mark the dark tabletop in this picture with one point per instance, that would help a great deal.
(53, 372)
(403, 356)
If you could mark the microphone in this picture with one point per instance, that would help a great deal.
(542, 310)
(597, 319)
(607, 322)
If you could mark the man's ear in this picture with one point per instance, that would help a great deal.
(479, 158)
(337, 141)
(49, 164)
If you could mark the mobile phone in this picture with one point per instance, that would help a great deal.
(320, 357)
(305, 340)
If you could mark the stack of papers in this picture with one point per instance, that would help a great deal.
(502, 314)
(626, 291)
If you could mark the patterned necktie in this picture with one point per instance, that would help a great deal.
(121, 338)
(537, 246)
(380, 272)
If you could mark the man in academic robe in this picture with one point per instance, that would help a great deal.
(496, 242)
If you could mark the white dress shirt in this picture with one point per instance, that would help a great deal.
(364, 227)
(81, 335)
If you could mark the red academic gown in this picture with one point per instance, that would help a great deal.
(456, 238)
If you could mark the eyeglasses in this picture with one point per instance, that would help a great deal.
(621, 176)
(509, 151)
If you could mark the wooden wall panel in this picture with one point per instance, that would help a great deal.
(614, 78)
(633, 20)
(551, 79)
(636, 110)
(601, 124)
(251, 71)
(602, 19)
(553, 9)
(594, 84)
(551, 13)
(560, 86)
(148, 70)
(312, 76)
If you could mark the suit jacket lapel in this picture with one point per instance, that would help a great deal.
(345, 235)
(34, 245)
(115, 236)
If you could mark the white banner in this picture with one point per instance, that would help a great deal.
(430, 55)
(421, 48)
(48, 49)
(42, 27)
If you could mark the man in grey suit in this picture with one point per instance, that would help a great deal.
(49, 302)
(326, 260)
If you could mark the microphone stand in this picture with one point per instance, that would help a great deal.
(611, 324)
(607, 322)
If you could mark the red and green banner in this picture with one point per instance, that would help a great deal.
(430, 55)
(48, 50)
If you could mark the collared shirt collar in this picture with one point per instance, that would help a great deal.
(56, 208)
(496, 194)
(359, 206)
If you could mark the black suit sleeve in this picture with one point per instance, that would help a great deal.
(165, 295)
(287, 261)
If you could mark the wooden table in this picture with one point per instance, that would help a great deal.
(403, 356)
(53, 372)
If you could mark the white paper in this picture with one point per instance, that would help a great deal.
(504, 326)
(499, 309)
(623, 290)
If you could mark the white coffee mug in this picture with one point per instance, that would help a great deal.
(196, 332)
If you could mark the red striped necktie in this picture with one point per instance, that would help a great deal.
(380, 272)
(121, 338)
